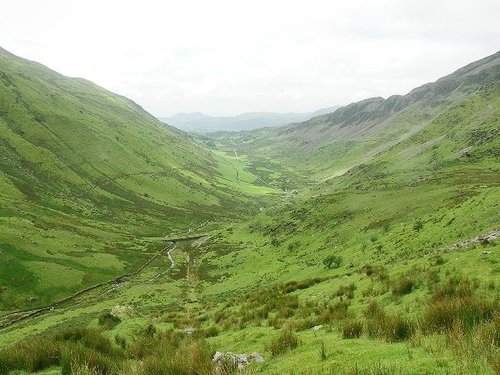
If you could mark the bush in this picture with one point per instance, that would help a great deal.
(332, 261)
(352, 329)
(437, 260)
(476, 347)
(346, 290)
(293, 245)
(39, 353)
(302, 324)
(404, 286)
(454, 287)
(287, 340)
(275, 242)
(84, 369)
(337, 311)
(418, 226)
(375, 271)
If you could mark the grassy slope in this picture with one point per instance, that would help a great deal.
(400, 210)
(391, 218)
(331, 144)
(84, 175)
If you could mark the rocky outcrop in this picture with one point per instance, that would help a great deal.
(485, 238)
(225, 361)
(121, 311)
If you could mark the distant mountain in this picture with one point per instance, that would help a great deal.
(324, 111)
(200, 123)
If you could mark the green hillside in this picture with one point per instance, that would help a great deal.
(330, 144)
(85, 176)
(360, 242)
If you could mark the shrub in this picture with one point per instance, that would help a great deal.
(346, 290)
(287, 340)
(87, 337)
(226, 365)
(390, 327)
(285, 312)
(83, 369)
(352, 329)
(332, 261)
(275, 242)
(454, 287)
(437, 260)
(337, 311)
(375, 271)
(38, 353)
(274, 322)
(418, 226)
(293, 245)
(404, 286)
(292, 286)
(476, 347)
(302, 324)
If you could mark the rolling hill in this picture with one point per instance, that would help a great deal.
(85, 175)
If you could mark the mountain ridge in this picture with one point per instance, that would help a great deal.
(330, 144)
(201, 123)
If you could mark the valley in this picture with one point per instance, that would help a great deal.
(362, 241)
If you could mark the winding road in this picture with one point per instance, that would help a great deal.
(172, 264)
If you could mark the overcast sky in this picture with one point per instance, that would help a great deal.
(228, 57)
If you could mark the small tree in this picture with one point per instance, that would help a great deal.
(332, 261)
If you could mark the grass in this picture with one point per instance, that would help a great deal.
(285, 341)
(351, 274)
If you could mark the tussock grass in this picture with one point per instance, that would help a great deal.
(455, 304)
(352, 329)
(285, 341)
(108, 320)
